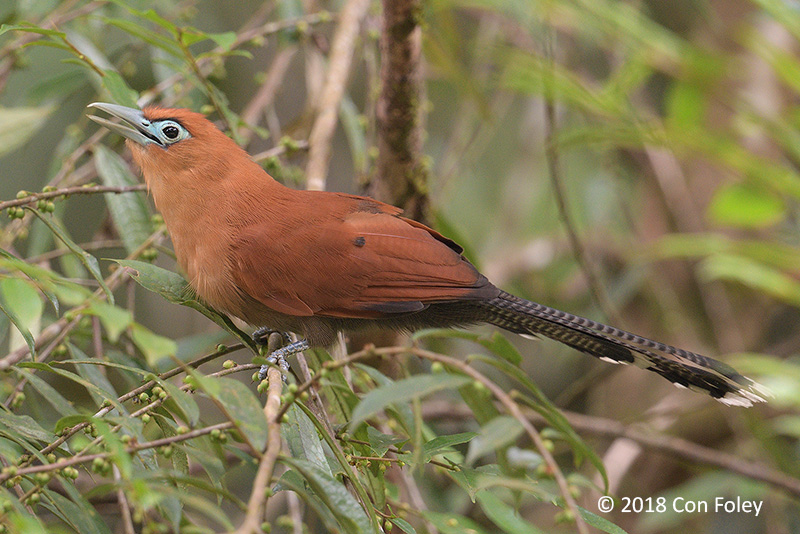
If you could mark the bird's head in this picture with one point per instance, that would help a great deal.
(168, 142)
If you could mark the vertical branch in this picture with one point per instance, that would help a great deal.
(400, 177)
(552, 156)
(342, 47)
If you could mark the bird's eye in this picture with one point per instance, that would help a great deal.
(171, 132)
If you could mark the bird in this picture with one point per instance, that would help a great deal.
(317, 263)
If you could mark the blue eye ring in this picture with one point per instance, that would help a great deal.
(170, 131)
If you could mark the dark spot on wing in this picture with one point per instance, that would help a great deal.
(360, 241)
(369, 206)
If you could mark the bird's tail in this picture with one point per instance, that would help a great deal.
(682, 368)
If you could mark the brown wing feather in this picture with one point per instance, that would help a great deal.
(362, 263)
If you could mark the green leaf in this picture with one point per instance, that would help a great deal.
(153, 346)
(88, 261)
(449, 523)
(753, 274)
(443, 444)
(168, 284)
(19, 125)
(496, 434)
(25, 426)
(183, 400)
(168, 45)
(354, 129)
(403, 391)
(224, 40)
(380, 442)
(93, 389)
(115, 320)
(746, 206)
(175, 288)
(403, 525)
(79, 515)
(119, 89)
(30, 29)
(504, 516)
(23, 305)
(59, 403)
(239, 404)
(129, 211)
(304, 442)
(334, 494)
(92, 375)
(686, 106)
(495, 342)
(600, 523)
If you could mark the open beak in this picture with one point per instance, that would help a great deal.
(137, 129)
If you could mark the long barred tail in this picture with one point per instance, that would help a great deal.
(682, 368)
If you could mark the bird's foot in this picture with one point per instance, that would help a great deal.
(261, 335)
(278, 357)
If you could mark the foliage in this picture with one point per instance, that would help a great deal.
(665, 136)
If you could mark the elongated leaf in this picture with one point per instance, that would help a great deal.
(403, 391)
(746, 206)
(88, 261)
(443, 444)
(119, 90)
(7, 310)
(183, 400)
(449, 523)
(26, 426)
(175, 288)
(495, 342)
(403, 525)
(30, 29)
(115, 320)
(239, 404)
(90, 386)
(149, 36)
(58, 402)
(19, 125)
(599, 522)
(497, 434)
(752, 274)
(129, 211)
(380, 442)
(80, 515)
(154, 347)
(334, 494)
(93, 375)
(304, 442)
(504, 516)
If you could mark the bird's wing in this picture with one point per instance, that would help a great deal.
(363, 264)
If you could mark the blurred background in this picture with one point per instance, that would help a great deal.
(676, 154)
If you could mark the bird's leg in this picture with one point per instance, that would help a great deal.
(278, 357)
(262, 333)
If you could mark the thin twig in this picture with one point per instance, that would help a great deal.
(265, 95)
(62, 325)
(68, 191)
(258, 495)
(341, 57)
(125, 509)
(668, 445)
(552, 156)
(515, 411)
